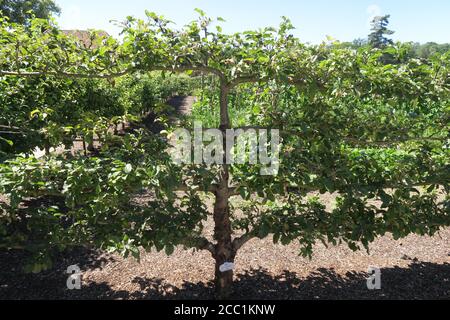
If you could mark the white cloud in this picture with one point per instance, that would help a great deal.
(373, 10)
(71, 18)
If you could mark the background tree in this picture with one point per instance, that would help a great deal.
(358, 43)
(19, 10)
(378, 38)
(426, 50)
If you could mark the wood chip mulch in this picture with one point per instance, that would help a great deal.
(412, 268)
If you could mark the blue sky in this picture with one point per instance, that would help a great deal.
(345, 20)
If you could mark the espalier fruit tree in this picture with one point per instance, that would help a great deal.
(374, 134)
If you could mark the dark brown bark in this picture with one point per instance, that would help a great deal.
(91, 147)
(224, 115)
(84, 147)
(224, 251)
(47, 148)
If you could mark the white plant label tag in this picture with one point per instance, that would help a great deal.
(227, 266)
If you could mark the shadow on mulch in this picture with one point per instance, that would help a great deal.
(421, 280)
(51, 284)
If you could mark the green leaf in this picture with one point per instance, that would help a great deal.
(276, 238)
(169, 249)
(285, 240)
(200, 12)
(34, 113)
(9, 142)
(264, 231)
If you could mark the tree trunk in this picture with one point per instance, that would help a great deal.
(224, 251)
(47, 148)
(84, 147)
(91, 147)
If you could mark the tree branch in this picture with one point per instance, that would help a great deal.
(202, 69)
(234, 191)
(185, 188)
(14, 128)
(238, 243)
(63, 74)
(13, 132)
(203, 244)
(240, 80)
(395, 141)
